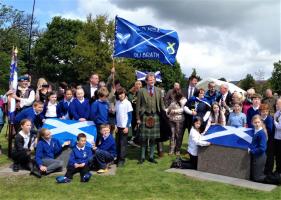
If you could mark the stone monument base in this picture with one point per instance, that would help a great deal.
(225, 161)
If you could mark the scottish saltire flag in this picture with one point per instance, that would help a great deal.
(145, 42)
(229, 136)
(65, 130)
(13, 82)
(141, 76)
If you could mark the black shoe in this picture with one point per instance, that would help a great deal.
(35, 171)
(16, 167)
(152, 160)
(141, 161)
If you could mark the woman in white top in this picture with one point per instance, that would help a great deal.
(216, 117)
(195, 140)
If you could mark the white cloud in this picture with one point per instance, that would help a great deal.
(213, 51)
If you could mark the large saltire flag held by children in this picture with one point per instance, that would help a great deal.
(145, 42)
(229, 136)
(65, 130)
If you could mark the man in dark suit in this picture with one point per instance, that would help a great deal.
(189, 92)
(91, 88)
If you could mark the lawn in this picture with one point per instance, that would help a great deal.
(148, 181)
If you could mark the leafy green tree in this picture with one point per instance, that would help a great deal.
(14, 31)
(170, 74)
(222, 79)
(194, 73)
(94, 47)
(53, 50)
(248, 82)
(276, 77)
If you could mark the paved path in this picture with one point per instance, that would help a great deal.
(223, 179)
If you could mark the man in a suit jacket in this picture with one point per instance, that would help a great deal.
(91, 88)
(189, 92)
(149, 106)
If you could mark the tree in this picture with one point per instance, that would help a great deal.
(194, 73)
(222, 79)
(53, 50)
(170, 74)
(248, 82)
(14, 31)
(276, 77)
(94, 47)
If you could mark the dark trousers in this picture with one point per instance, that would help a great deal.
(98, 139)
(71, 170)
(277, 144)
(21, 158)
(270, 156)
(101, 159)
(257, 167)
(121, 144)
(144, 143)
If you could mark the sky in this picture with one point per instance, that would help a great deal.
(219, 38)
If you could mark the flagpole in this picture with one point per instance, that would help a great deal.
(30, 34)
(12, 101)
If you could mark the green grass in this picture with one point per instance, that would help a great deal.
(148, 181)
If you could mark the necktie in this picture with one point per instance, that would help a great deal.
(150, 91)
(190, 92)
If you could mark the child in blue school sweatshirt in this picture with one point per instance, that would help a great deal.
(46, 150)
(105, 152)
(79, 161)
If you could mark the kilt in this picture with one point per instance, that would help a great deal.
(150, 133)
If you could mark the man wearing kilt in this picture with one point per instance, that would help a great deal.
(148, 109)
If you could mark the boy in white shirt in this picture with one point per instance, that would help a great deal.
(123, 109)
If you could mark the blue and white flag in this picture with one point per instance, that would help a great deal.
(145, 42)
(65, 130)
(13, 83)
(229, 136)
(141, 76)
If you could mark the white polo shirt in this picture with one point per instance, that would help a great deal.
(122, 109)
(51, 110)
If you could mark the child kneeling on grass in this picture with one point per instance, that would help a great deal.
(79, 161)
(105, 152)
(195, 140)
(47, 149)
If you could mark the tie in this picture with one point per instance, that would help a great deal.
(150, 91)
(190, 92)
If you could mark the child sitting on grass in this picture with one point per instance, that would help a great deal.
(79, 160)
(105, 152)
(24, 144)
(47, 149)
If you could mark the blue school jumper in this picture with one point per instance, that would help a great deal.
(258, 145)
(250, 113)
(108, 145)
(268, 122)
(79, 156)
(45, 150)
(99, 112)
(63, 108)
(79, 110)
(29, 113)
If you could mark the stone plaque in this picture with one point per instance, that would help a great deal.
(225, 161)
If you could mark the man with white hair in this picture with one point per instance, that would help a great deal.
(224, 99)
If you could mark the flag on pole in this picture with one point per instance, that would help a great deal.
(13, 82)
(65, 130)
(145, 42)
(229, 136)
(141, 76)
